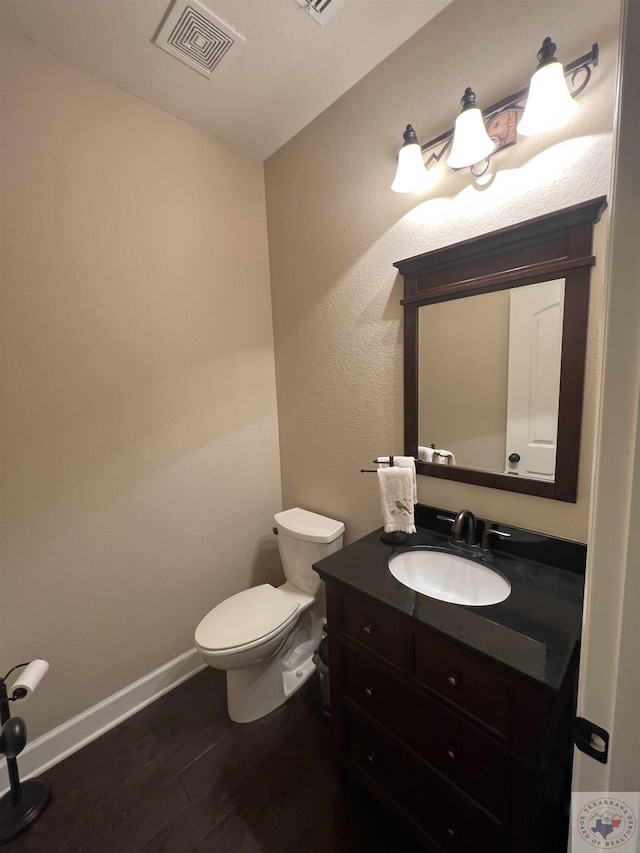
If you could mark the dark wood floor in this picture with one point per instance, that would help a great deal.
(180, 776)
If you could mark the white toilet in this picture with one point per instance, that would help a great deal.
(265, 637)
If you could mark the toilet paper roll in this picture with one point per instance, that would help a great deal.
(30, 677)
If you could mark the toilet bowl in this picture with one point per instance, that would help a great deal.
(265, 637)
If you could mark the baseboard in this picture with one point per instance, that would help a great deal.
(71, 736)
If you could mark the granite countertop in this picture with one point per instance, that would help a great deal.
(534, 631)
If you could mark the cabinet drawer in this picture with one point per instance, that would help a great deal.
(464, 681)
(375, 628)
(443, 813)
(457, 749)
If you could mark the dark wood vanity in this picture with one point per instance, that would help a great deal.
(457, 718)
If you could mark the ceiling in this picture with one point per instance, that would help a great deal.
(266, 88)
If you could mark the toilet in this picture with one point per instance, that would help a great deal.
(265, 637)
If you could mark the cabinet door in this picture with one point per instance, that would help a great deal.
(463, 753)
(436, 807)
(463, 680)
(378, 629)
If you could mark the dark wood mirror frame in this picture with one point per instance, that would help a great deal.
(540, 249)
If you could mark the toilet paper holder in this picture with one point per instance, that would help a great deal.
(25, 801)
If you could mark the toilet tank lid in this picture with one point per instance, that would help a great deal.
(245, 618)
(303, 524)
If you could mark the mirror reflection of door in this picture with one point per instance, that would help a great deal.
(533, 386)
(472, 400)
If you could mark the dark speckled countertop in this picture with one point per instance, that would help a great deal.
(534, 631)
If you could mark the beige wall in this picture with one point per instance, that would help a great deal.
(140, 457)
(335, 229)
(462, 389)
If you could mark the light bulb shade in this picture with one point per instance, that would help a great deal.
(549, 103)
(411, 175)
(471, 142)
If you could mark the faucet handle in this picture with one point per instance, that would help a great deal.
(446, 518)
(484, 544)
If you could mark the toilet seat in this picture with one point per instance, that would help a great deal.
(247, 619)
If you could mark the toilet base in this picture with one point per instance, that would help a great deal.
(256, 691)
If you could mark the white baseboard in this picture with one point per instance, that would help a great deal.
(71, 736)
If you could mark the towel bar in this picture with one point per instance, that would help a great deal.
(386, 461)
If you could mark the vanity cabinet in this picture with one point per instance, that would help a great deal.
(468, 753)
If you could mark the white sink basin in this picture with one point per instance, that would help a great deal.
(449, 577)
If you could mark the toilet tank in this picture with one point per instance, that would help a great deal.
(304, 538)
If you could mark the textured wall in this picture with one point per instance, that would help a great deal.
(335, 229)
(140, 453)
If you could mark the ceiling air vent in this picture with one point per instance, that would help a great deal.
(321, 10)
(194, 36)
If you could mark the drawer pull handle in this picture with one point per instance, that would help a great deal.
(369, 691)
(451, 832)
(371, 757)
(453, 680)
(368, 629)
(451, 754)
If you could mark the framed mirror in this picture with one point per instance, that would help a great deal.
(495, 335)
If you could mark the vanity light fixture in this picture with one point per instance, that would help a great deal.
(478, 135)
(549, 102)
(471, 142)
(411, 176)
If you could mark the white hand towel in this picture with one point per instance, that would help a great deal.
(410, 463)
(425, 454)
(396, 498)
(445, 457)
